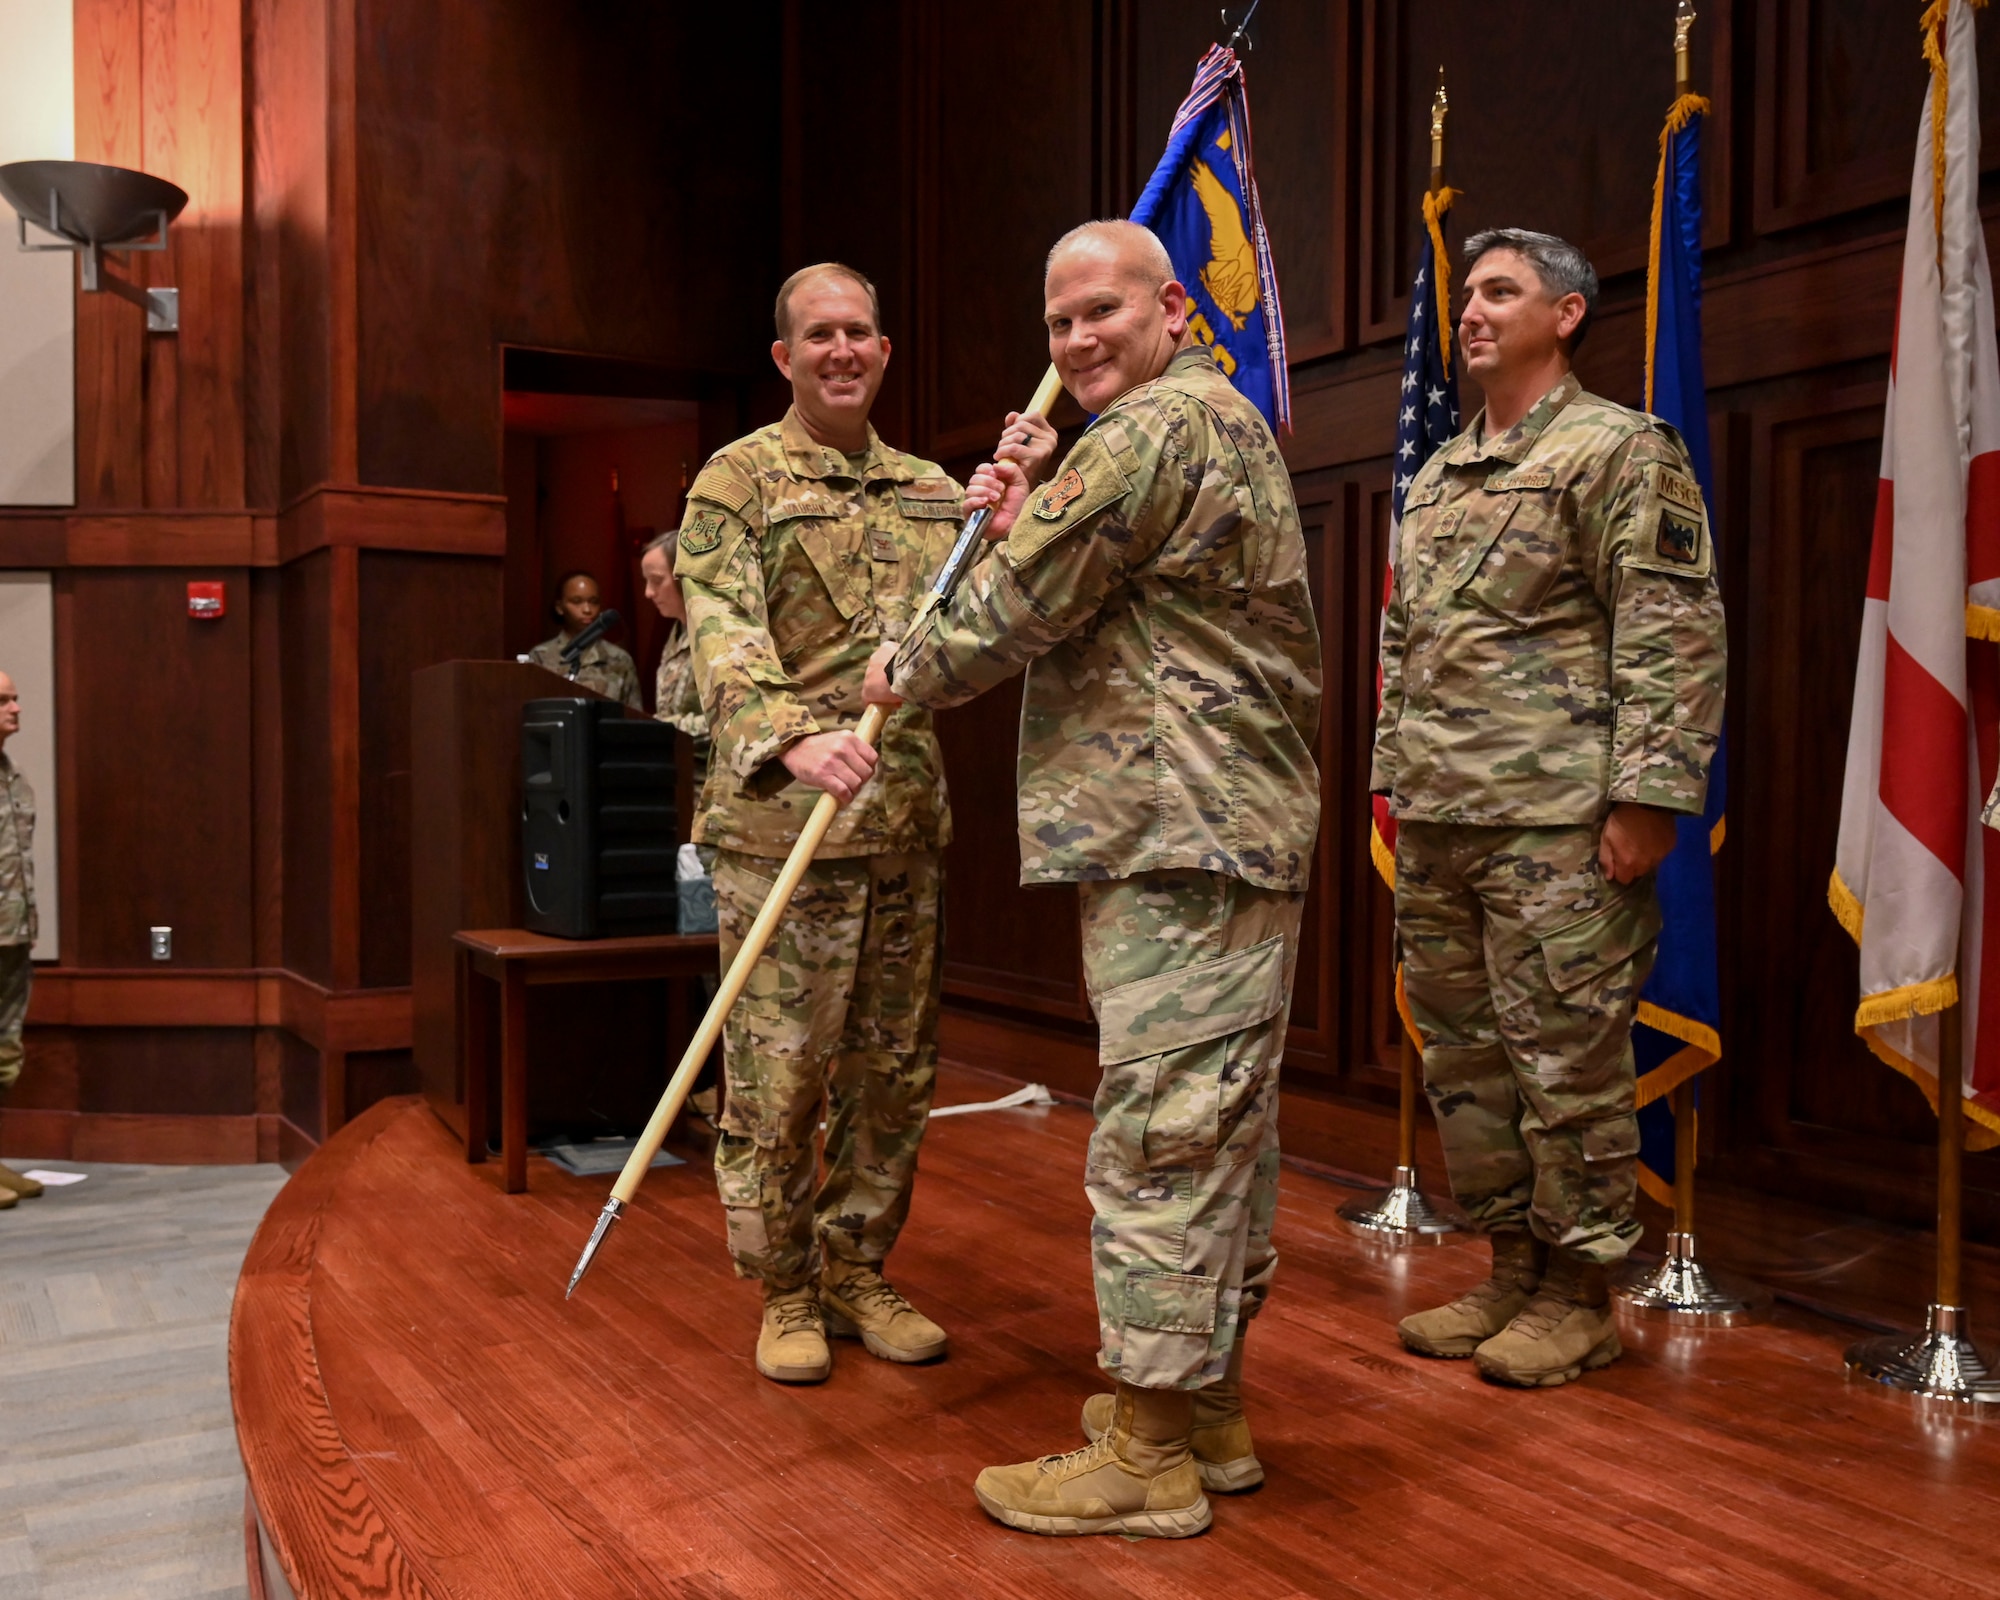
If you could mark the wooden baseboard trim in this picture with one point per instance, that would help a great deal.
(172, 1141)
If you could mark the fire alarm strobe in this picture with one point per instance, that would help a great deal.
(205, 602)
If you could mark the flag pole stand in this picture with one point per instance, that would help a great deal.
(1400, 1215)
(1678, 1288)
(1941, 1364)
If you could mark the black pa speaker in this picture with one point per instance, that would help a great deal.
(597, 820)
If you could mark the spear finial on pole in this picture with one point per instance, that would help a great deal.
(1684, 15)
(1440, 104)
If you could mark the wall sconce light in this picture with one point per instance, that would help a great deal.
(94, 208)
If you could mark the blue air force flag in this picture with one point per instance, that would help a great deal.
(1202, 202)
(1680, 1009)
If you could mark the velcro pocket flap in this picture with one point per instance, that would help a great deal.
(1089, 479)
(805, 516)
(1599, 940)
(1191, 1005)
(1171, 1302)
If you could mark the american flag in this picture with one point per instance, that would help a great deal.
(1426, 417)
(1427, 410)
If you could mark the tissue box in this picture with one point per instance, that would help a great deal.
(697, 893)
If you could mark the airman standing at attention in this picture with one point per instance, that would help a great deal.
(17, 918)
(1552, 679)
(602, 667)
(806, 545)
(1156, 592)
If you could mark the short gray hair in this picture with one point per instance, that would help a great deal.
(823, 269)
(1150, 256)
(1562, 267)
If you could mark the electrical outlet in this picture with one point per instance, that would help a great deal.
(163, 944)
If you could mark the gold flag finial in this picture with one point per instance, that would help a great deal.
(1440, 104)
(1684, 15)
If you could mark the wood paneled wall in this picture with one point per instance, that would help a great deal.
(386, 199)
(1807, 156)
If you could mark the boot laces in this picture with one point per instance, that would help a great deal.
(864, 1286)
(1090, 1455)
(796, 1313)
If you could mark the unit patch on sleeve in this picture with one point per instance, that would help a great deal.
(1679, 538)
(703, 533)
(1056, 497)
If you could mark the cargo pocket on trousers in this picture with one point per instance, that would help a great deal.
(1171, 1302)
(1595, 965)
(1153, 1027)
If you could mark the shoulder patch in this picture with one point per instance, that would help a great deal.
(702, 533)
(724, 485)
(1054, 500)
(1672, 533)
(1091, 479)
(1677, 489)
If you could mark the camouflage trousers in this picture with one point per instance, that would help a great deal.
(839, 1016)
(1190, 974)
(1522, 964)
(16, 972)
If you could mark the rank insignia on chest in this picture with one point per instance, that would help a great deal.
(1679, 538)
(1449, 523)
(1057, 496)
(702, 534)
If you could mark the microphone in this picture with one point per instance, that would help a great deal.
(606, 621)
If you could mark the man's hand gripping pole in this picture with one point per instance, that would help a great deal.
(870, 733)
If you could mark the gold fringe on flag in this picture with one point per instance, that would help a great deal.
(1436, 204)
(1982, 622)
(1683, 111)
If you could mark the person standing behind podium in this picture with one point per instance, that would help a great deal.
(602, 667)
(17, 917)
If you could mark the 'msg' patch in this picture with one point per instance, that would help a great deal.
(1057, 496)
(702, 534)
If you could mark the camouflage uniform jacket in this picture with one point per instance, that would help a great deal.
(18, 922)
(796, 562)
(603, 667)
(676, 698)
(1553, 643)
(1156, 590)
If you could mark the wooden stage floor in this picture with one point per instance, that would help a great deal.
(422, 1415)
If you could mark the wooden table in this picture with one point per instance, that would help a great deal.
(518, 960)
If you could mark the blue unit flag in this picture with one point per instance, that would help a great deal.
(1680, 1009)
(1202, 202)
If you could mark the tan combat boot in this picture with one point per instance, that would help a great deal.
(1456, 1330)
(19, 1183)
(791, 1347)
(1138, 1477)
(1565, 1331)
(8, 1199)
(1219, 1438)
(860, 1304)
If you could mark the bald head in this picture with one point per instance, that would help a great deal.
(1135, 250)
(1114, 310)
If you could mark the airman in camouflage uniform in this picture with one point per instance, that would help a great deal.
(603, 668)
(1156, 592)
(797, 558)
(18, 921)
(1552, 682)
